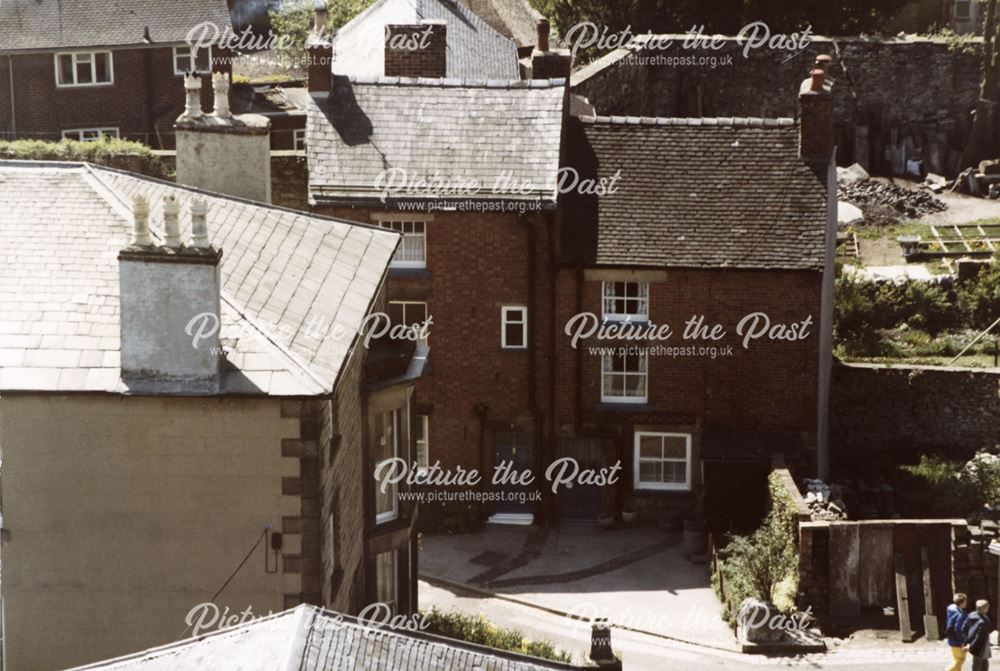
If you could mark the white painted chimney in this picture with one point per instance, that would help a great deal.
(169, 304)
(224, 152)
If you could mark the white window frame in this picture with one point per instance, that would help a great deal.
(399, 226)
(505, 321)
(662, 486)
(607, 298)
(424, 463)
(75, 56)
(102, 133)
(299, 139)
(392, 490)
(393, 603)
(420, 341)
(605, 398)
(333, 538)
(191, 56)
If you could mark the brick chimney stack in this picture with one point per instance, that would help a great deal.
(816, 138)
(320, 51)
(164, 288)
(417, 50)
(547, 63)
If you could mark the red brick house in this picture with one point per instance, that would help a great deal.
(86, 70)
(723, 218)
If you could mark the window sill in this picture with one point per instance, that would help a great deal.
(85, 86)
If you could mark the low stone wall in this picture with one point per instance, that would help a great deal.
(897, 412)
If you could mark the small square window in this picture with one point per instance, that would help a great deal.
(662, 461)
(514, 327)
(299, 139)
(412, 314)
(412, 250)
(188, 59)
(624, 378)
(626, 301)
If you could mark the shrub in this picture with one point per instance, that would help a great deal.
(982, 475)
(481, 631)
(979, 298)
(755, 565)
(294, 19)
(71, 150)
(929, 307)
(933, 488)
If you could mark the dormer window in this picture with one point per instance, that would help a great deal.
(626, 301)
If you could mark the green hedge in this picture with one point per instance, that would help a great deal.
(481, 631)
(72, 150)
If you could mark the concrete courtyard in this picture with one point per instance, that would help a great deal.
(638, 579)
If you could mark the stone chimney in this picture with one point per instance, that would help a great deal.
(320, 51)
(417, 50)
(169, 293)
(223, 152)
(816, 140)
(549, 63)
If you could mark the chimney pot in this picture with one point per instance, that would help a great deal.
(199, 223)
(140, 222)
(818, 76)
(542, 26)
(171, 221)
(822, 62)
(192, 87)
(319, 18)
(220, 86)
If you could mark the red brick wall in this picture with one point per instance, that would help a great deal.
(143, 102)
(416, 50)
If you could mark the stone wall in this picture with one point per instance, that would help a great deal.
(897, 412)
(882, 92)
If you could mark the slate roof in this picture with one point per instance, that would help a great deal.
(475, 50)
(694, 193)
(287, 280)
(513, 18)
(455, 132)
(54, 24)
(308, 638)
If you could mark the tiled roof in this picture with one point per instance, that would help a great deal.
(436, 130)
(474, 49)
(693, 193)
(54, 24)
(288, 281)
(513, 18)
(307, 638)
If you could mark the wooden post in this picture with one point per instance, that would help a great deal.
(902, 601)
(931, 628)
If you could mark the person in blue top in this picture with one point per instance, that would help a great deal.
(977, 636)
(953, 629)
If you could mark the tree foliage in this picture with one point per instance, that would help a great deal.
(294, 20)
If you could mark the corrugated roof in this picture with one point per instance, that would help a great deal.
(694, 193)
(312, 639)
(441, 131)
(56, 24)
(295, 287)
(475, 50)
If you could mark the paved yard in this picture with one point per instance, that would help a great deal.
(636, 578)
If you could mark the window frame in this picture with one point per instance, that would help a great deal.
(103, 132)
(333, 538)
(393, 604)
(391, 223)
(392, 490)
(420, 341)
(643, 297)
(638, 484)
(193, 59)
(605, 398)
(422, 464)
(299, 139)
(505, 322)
(93, 68)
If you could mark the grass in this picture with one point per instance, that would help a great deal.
(906, 227)
(917, 347)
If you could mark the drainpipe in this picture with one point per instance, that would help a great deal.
(539, 463)
(13, 116)
(579, 352)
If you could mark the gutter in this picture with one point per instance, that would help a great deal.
(13, 116)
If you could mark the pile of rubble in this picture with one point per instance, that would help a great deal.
(984, 182)
(869, 192)
(825, 501)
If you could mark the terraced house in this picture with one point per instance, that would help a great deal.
(180, 441)
(517, 216)
(83, 70)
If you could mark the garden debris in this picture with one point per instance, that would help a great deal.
(871, 192)
(983, 182)
(825, 501)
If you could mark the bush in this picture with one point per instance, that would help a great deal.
(979, 298)
(481, 631)
(982, 475)
(755, 565)
(294, 19)
(929, 307)
(71, 150)
(933, 488)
